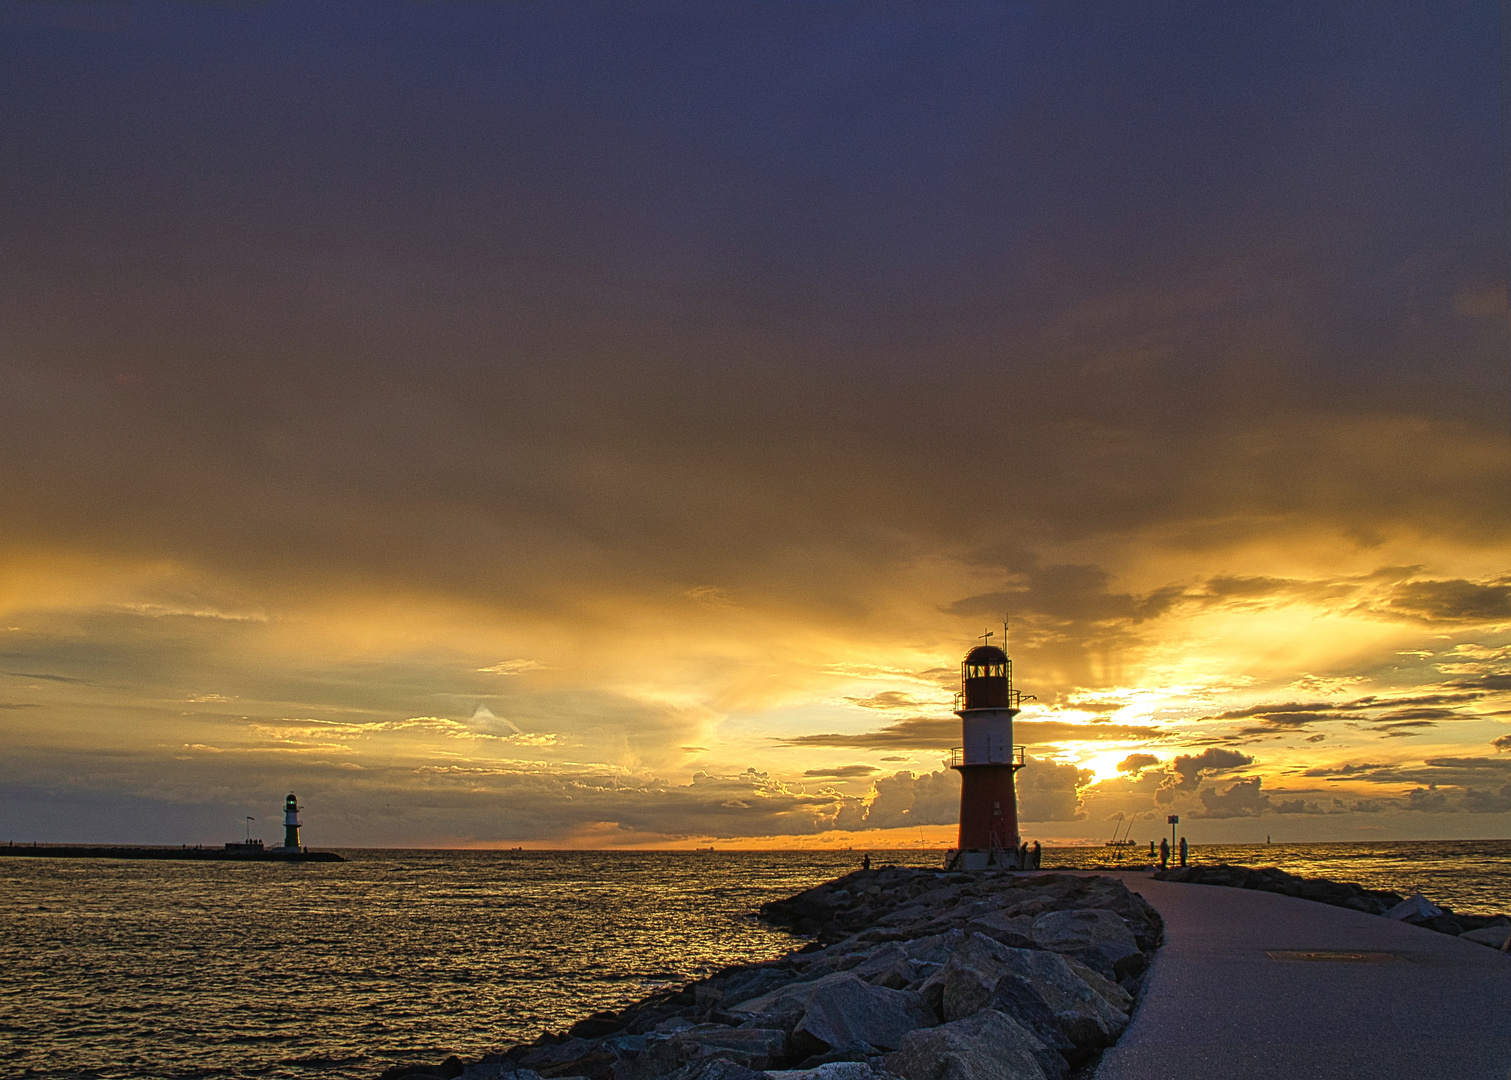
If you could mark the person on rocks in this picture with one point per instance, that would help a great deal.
(865, 862)
(1038, 855)
(1183, 851)
(1164, 854)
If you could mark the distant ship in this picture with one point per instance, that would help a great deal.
(1124, 842)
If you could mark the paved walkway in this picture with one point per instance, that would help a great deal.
(1215, 1006)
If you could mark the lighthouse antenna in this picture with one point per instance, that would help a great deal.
(987, 637)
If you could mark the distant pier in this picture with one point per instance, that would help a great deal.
(229, 853)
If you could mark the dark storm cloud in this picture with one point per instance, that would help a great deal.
(1485, 683)
(1445, 785)
(506, 303)
(1456, 601)
(1187, 770)
(843, 772)
(1420, 710)
(1245, 798)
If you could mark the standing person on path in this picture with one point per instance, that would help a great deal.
(1164, 854)
(1183, 851)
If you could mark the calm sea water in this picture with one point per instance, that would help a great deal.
(116, 969)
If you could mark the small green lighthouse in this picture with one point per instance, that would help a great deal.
(291, 823)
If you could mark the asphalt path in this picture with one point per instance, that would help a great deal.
(1407, 1003)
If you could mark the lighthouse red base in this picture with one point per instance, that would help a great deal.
(988, 808)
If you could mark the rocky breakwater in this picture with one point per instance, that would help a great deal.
(913, 975)
(1492, 930)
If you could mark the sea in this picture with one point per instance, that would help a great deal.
(335, 971)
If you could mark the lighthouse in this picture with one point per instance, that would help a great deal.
(291, 823)
(987, 761)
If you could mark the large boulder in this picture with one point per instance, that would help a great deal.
(880, 962)
(755, 1048)
(1494, 936)
(847, 1010)
(1013, 930)
(987, 1046)
(715, 1068)
(965, 983)
(1414, 908)
(792, 997)
(934, 948)
(1086, 1018)
(1091, 929)
(1105, 988)
(833, 1070)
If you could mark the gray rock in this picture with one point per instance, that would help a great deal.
(900, 976)
(965, 983)
(834, 1070)
(1020, 999)
(848, 1010)
(1085, 1017)
(624, 1044)
(786, 998)
(936, 948)
(880, 961)
(1093, 928)
(1415, 906)
(1106, 989)
(851, 1052)
(715, 1068)
(986, 1046)
(755, 1048)
(1014, 930)
(542, 1057)
(1494, 936)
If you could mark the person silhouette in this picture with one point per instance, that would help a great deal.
(1183, 851)
(865, 862)
(1038, 855)
(1164, 854)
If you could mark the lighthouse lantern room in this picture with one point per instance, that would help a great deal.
(986, 762)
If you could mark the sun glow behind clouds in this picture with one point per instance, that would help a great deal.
(573, 483)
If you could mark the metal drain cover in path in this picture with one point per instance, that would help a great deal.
(1333, 956)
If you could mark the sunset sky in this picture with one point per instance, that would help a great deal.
(608, 424)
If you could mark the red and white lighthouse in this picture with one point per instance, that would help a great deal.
(986, 706)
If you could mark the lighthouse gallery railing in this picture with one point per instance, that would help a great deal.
(957, 758)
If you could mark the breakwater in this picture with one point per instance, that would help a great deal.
(1492, 930)
(911, 973)
(106, 851)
